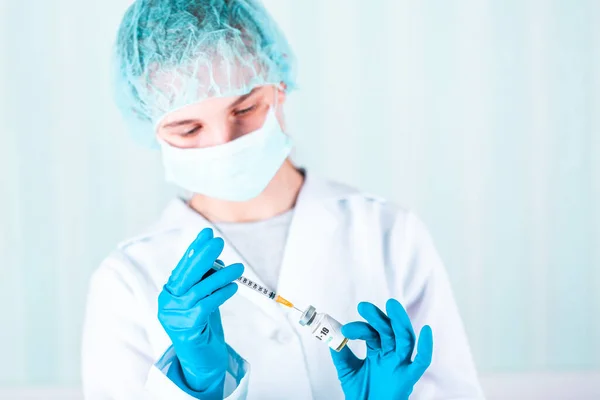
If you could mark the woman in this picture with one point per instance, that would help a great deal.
(207, 80)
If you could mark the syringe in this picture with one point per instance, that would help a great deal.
(260, 289)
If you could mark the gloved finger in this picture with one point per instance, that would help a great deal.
(424, 353)
(201, 261)
(378, 320)
(345, 362)
(198, 315)
(212, 302)
(215, 323)
(212, 270)
(204, 236)
(208, 285)
(403, 330)
(362, 331)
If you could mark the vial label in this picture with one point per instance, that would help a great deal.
(330, 332)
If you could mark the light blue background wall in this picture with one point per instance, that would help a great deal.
(481, 115)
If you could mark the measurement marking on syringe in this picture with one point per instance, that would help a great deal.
(259, 288)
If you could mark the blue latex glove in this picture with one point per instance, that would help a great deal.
(387, 372)
(188, 309)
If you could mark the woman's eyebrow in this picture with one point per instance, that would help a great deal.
(242, 98)
(178, 123)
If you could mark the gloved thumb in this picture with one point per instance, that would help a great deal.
(424, 352)
(345, 362)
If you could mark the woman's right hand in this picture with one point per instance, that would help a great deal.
(188, 309)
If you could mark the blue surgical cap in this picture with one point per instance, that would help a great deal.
(171, 53)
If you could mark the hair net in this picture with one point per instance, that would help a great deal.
(171, 53)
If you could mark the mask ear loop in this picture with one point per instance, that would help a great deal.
(275, 103)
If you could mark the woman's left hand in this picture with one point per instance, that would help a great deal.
(387, 372)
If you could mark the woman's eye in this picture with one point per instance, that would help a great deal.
(245, 110)
(190, 132)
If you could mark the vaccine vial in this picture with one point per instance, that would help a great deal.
(324, 328)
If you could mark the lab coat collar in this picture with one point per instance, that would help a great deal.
(314, 191)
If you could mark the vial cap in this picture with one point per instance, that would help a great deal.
(308, 315)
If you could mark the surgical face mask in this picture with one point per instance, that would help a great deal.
(236, 171)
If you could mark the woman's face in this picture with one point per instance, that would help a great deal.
(219, 120)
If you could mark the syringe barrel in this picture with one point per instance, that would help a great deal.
(251, 284)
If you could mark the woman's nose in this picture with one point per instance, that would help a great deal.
(225, 134)
(221, 134)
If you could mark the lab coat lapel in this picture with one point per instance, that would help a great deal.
(310, 266)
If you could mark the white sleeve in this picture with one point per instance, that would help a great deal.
(162, 387)
(117, 360)
(428, 299)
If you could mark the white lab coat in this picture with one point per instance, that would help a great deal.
(344, 247)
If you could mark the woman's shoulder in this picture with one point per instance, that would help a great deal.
(354, 201)
(372, 213)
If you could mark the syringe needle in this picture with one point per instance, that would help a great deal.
(286, 303)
